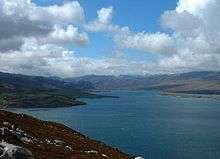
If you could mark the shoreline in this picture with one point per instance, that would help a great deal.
(188, 95)
(44, 100)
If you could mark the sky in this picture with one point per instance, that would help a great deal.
(68, 38)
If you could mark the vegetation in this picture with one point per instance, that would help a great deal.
(43, 99)
(48, 140)
(33, 91)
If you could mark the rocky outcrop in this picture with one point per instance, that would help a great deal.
(139, 157)
(9, 151)
(24, 137)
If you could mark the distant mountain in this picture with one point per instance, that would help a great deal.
(206, 82)
(35, 91)
(22, 82)
(114, 82)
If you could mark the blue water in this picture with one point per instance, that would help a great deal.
(146, 124)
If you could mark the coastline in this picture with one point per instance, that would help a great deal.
(45, 100)
(188, 95)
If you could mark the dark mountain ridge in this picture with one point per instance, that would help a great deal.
(34, 91)
(21, 82)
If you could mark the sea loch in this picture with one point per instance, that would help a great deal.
(145, 123)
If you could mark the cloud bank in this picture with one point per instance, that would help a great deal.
(33, 39)
(22, 19)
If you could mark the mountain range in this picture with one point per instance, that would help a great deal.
(206, 82)
(34, 91)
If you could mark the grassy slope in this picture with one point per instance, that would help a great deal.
(43, 134)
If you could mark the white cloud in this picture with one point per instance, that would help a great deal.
(103, 22)
(20, 19)
(68, 35)
(186, 62)
(70, 12)
(196, 30)
(192, 6)
(105, 15)
(148, 42)
(182, 23)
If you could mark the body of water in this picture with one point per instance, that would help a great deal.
(145, 123)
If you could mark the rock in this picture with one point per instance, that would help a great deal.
(104, 155)
(138, 157)
(59, 142)
(92, 151)
(9, 151)
(69, 148)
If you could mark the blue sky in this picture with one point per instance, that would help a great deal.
(138, 15)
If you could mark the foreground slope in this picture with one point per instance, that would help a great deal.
(47, 140)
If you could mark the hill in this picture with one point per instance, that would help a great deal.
(206, 82)
(35, 91)
(24, 137)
